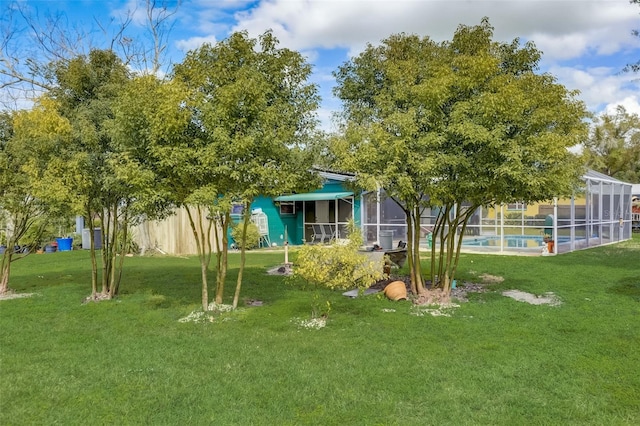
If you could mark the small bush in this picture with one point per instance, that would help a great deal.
(253, 235)
(339, 266)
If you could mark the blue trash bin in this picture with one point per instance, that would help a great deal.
(64, 244)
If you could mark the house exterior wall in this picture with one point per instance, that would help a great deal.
(278, 222)
(601, 214)
(295, 223)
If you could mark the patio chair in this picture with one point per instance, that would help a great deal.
(329, 231)
(318, 233)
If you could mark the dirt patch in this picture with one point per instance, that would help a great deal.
(491, 279)
(546, 299)
(461, 291)
(437, 310)
(13, 295)
(435, 296)
(284, 269)
(98, 297)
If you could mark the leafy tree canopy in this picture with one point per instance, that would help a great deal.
(467, 118)
(460, 122)
(613, 146)
(253, 101)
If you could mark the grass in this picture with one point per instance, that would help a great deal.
(494, 361)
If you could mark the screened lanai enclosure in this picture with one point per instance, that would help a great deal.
(600, 213)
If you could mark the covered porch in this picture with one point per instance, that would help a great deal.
(324, 215)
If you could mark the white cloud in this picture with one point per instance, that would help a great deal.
(630, 103)
(582, 41)
(567, 46)
(600, 87)
(194, 42)
(132, 9)
(562, 29)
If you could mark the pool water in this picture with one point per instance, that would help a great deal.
(510, 241)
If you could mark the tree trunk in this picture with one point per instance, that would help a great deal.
(5, 269)
(198, 233)
(416, 250)
(105, 220)
(92, 253)
(113, 251)
(222, 253)
(245, 225)
(410, 252)
(21, 224)
(122, 242)
(439, 233)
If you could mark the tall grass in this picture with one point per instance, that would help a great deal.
(493, 361)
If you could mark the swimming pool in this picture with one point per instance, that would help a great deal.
(509, 241)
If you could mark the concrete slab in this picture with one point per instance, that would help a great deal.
(354, 293)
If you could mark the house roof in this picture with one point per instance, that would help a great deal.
(592, 174)
(340, 177)
(315, 196)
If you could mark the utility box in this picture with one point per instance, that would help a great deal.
(86, 238)
(386, 240)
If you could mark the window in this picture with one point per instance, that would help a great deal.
(517, 206)
(287, 207)
(237, 209)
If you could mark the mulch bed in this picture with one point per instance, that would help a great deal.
(459, 293)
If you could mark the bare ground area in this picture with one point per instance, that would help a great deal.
(13, 295)
(437, 297)
(434, 296)
(546, 299)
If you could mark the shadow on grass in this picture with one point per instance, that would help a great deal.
(167, 280)
(629, 286)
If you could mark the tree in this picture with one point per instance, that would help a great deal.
(613, 145)
(29, 146)
(30, 43)
(47, 56)
(258, 111)
(86, 88)
(170, 154)
(455, 126)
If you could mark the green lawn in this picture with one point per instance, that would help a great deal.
(494, 361)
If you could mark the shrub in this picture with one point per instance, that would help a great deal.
(339, 266)
(253, 235)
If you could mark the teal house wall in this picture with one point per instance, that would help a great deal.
(295, 223)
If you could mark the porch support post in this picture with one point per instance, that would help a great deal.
(501, 228)
(555, 225)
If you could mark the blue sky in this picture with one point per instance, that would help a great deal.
(585, 43)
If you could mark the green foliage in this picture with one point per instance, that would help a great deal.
(126, 244)
(320, 307)
(513, 218)
(461, 122)
(41, 233)
(252, 113)
(613, 146)
(338, 266)
(252, 236)
(31, 143)
(257, 111)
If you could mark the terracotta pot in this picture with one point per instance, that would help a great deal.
(550, 246)
(396, 290)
